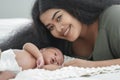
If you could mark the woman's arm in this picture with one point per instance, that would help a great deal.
(86, 63)
(6, 75)
(51, 67)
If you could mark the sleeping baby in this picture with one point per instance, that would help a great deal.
(29, 57)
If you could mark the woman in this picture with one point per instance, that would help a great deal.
(86, 29)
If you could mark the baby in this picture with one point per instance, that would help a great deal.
(29, 57)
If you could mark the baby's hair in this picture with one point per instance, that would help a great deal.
(53, 48)
(49, 48)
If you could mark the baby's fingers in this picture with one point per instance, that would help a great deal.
(40, 65)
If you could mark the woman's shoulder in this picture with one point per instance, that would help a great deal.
(111, 11)
(110, 16)
(110, 23)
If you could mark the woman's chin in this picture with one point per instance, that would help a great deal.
(72, 39)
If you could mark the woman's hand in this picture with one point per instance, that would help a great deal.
(79, 63)
(51, 67)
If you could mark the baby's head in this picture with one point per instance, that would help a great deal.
(52, 55)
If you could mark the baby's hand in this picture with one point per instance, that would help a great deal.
(40, 62)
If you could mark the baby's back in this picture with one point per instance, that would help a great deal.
(25, 59)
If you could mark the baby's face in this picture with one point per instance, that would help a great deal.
(52, 56)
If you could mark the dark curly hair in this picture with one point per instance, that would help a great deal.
(86, 11)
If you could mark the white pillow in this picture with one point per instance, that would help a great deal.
(11, 25)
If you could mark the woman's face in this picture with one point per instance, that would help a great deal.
(52, 56)
(61, 24)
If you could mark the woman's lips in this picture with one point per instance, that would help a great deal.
(67, 30)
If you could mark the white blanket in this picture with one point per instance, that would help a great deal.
(67, 73)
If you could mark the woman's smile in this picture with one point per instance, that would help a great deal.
(66, 33)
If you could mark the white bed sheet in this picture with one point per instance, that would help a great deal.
(108, 76)
(72, 73)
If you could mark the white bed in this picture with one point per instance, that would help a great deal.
(72, 73)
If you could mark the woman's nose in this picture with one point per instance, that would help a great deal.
(59, 28)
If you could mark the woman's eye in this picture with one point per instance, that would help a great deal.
(59, 18)
(51, 28)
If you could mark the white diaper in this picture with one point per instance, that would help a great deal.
(8, 61)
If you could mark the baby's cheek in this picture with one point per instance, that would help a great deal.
(47, 62)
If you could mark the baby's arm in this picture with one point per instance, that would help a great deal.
(34, 51)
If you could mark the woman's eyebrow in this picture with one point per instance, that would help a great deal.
(53, 17)
(55, 14)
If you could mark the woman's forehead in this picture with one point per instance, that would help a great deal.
(49, 13)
